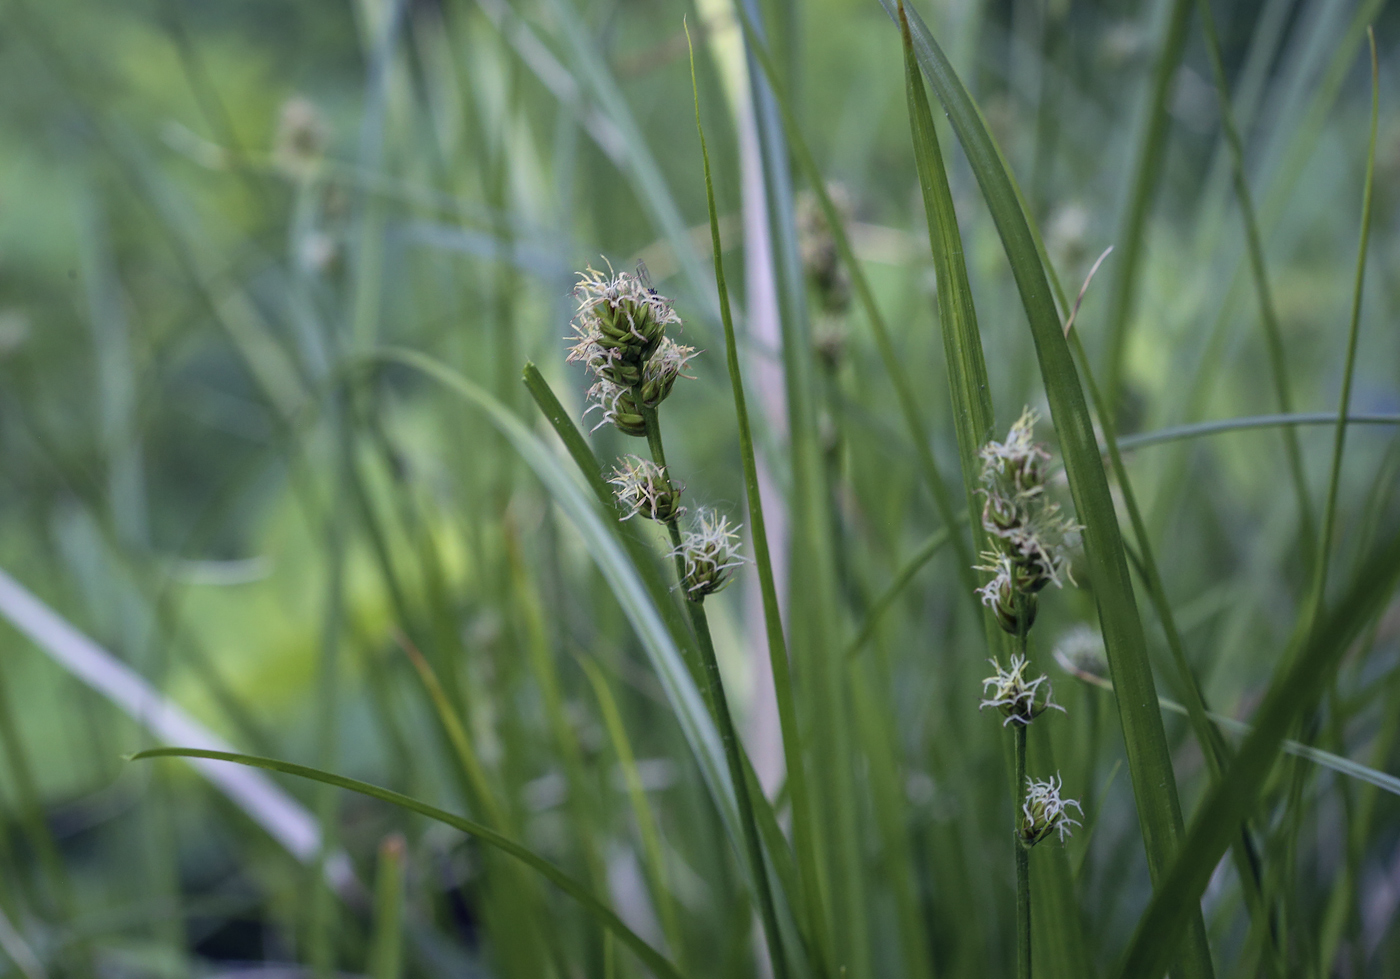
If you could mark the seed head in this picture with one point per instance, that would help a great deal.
(1009, 594)
(642, 488)
(821, 260)
(1015, 469)
(1080, 652)
(617, 406)
(1014, 695)
(302, 134)
(1044, 812)
(1041, 544)
(660, 372)
(710, 553)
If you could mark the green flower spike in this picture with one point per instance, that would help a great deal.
(1044, 812)
(1015, 696)
(710, 554)
(643, 489)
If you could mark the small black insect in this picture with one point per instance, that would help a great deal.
(645, 276)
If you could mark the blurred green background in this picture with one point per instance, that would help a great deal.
(211, 215)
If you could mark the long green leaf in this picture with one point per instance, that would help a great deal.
(1149, 759)
(815, 619)
(904, 390)
(1268, 317)
(1329, 512)
(1147, 169)
(596, 908)
(1179, 432)
(803, 838)
(641, 808)
(1230, 800)
(1338, 764)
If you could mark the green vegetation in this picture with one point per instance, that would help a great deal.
(531, 488)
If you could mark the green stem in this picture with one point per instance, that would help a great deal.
(658, 456)
(1023, 864)
(719, 705)
(1023, 853)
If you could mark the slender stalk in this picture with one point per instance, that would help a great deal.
(658, 456)
(719, 705)
(1023, 863)
(1023, 853)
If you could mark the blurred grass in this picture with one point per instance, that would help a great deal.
(214, 217)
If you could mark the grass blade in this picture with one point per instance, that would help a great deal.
(386, 943)
(1267, 315)
(641, 808)
(1290, 695)
(973, 418)
(1342, 766)
(284, 819)
(904, 391)
(1199, 429)
(803, 838)
(815, 605)
(596, 908)
(1329, 512)
(1147, 169)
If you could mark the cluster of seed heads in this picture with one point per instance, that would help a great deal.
(620, 336)
(1030, 549)
(1031, 539)
(1043, 812)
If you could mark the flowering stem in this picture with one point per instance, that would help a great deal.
(1023, 865)
(719, 706)
(1023, 853)
(658, 456)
